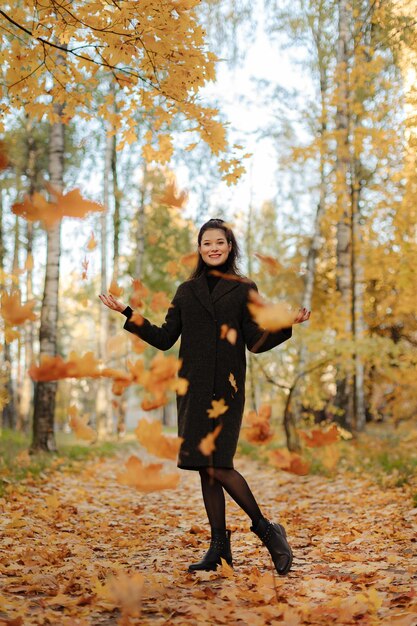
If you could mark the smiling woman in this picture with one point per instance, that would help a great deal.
(210, 413)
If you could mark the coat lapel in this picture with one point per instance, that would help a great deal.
(202, 292)
(200, 288)
(223, 286)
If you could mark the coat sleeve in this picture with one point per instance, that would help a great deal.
(258, 339)
(161, 337)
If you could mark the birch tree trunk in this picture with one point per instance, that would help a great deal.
(45, 392)
(26, 396)
(8, 413)
(344, 393)
(358, 321)
(119, 404)
(103, 401)
(140, 223)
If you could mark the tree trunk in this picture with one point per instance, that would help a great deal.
(118, 404)
(251, 374)
(45, 393)
(26, 396)
(344, 394)
(8, 413)
(140, 221)
(104, 411)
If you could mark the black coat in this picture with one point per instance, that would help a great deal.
(208, 361)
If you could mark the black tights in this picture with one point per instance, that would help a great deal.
(213, 480)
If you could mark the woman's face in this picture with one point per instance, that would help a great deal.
(214, 248)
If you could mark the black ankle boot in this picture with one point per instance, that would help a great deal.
(274, 538)
(219, 548)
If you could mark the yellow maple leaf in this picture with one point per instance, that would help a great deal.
(79, 425)
(15, 313)
(207, 444)
(146, 477)
(218, 407)
(272, 317)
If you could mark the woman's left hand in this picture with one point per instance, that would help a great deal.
(302, 316)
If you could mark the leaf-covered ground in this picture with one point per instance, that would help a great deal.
(82, 549)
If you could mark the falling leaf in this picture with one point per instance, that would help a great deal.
(272, 317)
(189, 260)
(115, 290)
(258, 429)
(288, 461)
(218, 407)
(137, 318)
(207, 445)
(15, 313)
(36, 208)
(92, 242)
(10, 335)
(228, 333)
(232, 381)
(79, 425)
(273, 266)
(147, 477)
(171, 197)
(155, 402)
(138, 294)
(126, 590)
(84, 265)
(159, 301)
(318, 437)
(150, 435)
(139, 346)
(55, 368)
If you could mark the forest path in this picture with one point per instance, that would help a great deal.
(81, 549)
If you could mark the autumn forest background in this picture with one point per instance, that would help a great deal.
(124, 127)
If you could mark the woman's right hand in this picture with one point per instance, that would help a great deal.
(111, 302)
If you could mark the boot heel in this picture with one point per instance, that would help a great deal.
(219, 548)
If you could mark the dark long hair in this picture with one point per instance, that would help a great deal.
(234, 254)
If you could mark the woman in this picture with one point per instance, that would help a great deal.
(215, 367)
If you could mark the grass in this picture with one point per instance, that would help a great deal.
(17, 466)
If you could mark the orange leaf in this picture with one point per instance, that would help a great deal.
(79, 425)
(115, 290)
(150, 435)
(272, 317)
(273, 266)
(318, 437)
(218, 408)
(172, 198)
(232, 381)
(15, 313)
(139, 292)
(207, 445)
(92, 242)
(137, 318)
(160, 301)
(189, 260)
(289, 461)
(36, 207)
(259, 427)
(228, 333)
(10, 335)
(147, 478)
